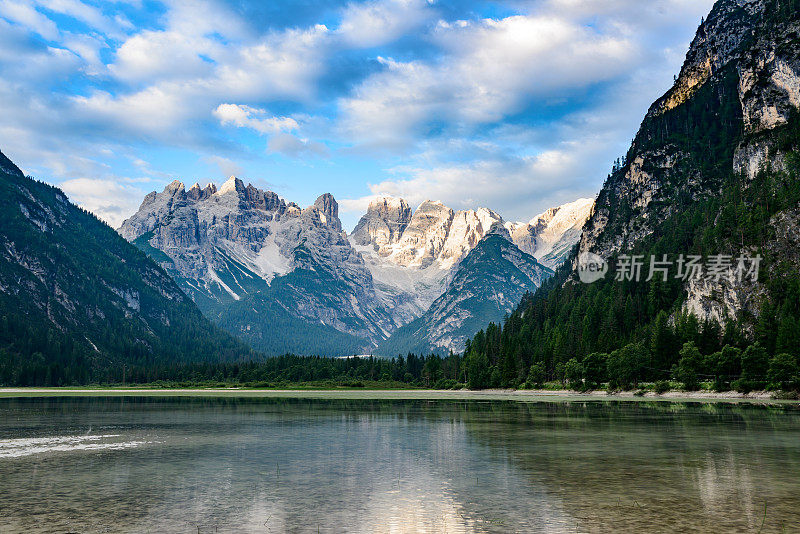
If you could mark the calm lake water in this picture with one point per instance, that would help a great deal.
(156, 464)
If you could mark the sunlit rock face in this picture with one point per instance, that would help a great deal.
(550, 236)
(247, 257)
(245, 253)
(485, 285)
(422, 264)
(741, 76)
(383, 224)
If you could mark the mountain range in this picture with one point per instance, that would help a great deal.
(79, 304)
(286, 279)
(712, 172)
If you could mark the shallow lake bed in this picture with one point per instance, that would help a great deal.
(277, 464)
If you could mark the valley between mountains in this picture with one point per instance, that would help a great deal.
(288, 279)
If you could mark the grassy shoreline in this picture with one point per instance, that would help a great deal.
(536, 395)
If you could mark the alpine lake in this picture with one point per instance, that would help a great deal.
(373, 462)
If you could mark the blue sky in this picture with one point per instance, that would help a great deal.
(513, 105)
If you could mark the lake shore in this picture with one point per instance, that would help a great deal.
(532, 395)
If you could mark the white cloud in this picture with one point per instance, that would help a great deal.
(23, 63)
(448, 117)
(154, 112)
(25, 14)
(205, 17)
(516, 187)
(295, 147)
(383, 21)
(225, 166)
(492, 69)
(443, 103)
(108, 199)
(88, 49)
(285, 64)
(85, 13)
(254, 118)
(161, 55)
(277, 128)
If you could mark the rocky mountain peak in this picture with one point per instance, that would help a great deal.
(716, 43)
(435, 234)
(175, 187)
(232, 184)
(383, 224)
(327, 206)
(324, 212)
(498, 228)
(550, 236)
(743, 64)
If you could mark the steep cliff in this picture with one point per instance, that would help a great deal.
(727, 117)
(712, 172)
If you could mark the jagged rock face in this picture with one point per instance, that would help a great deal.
(412, 256)
(188, 226)
(425, 235)
(550, 236)
(717, 42)
(438, 236)
(466, 229)
(245, 255)
(734, 41)
(487, 284)
(383, 224)
(744, 63)
(226, 246)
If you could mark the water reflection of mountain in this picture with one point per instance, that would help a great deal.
(245, 465)
(672, 467)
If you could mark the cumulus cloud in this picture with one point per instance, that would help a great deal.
(88, 14)
(295, 147)
(160, 55)
(379, 22)
(25, 14)
(517, 187)
(493, 69)
(283, 65)
(254, 118)
(154, 112)
(524, 112)
(278, 128)
(511, 112)
(110, 200)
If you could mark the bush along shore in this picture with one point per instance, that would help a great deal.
(729, 372)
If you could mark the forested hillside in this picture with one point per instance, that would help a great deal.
(78, 303)
(712, 171)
